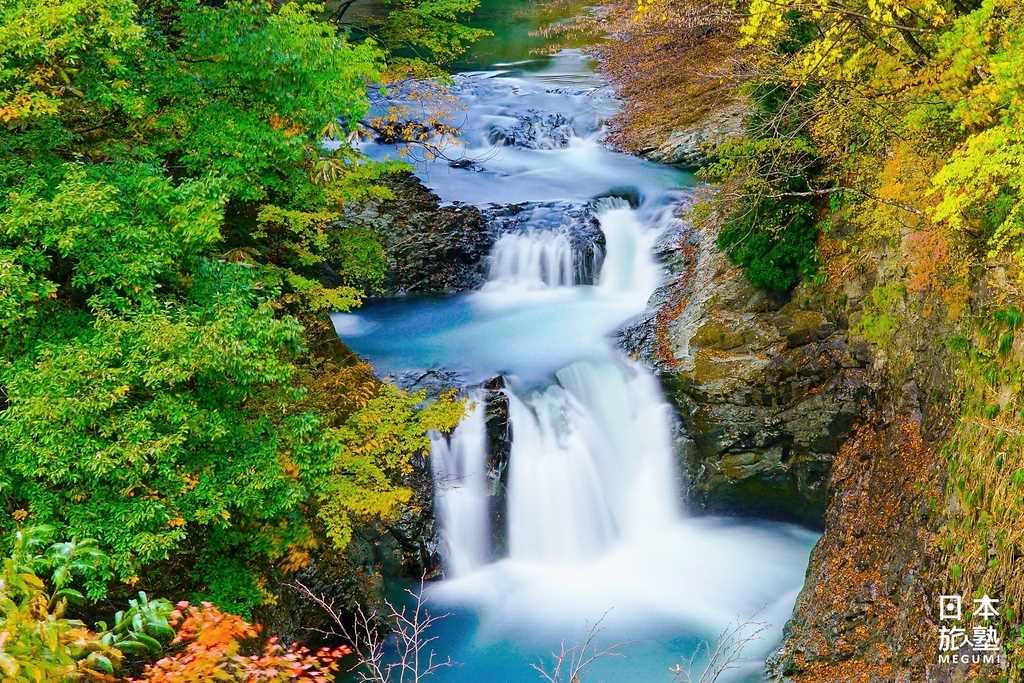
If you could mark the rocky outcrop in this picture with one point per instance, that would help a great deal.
(691, 146)
(767, 390)
(431, 248)
(534, 130)
(499, 450)
(868, 607)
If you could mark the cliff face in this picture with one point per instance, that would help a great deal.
(865, 612)
(766, 390)
(787, 414)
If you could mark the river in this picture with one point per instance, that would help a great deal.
(596, 528)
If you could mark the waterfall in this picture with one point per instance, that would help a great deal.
(459, 465)
(629, 268)
(583, 522)
(591, 463)
(533, 260)
(591, 458)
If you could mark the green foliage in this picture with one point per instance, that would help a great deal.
(39, 643)
(168, 249)
(985, 451)
(424, 36)
(773, 241)
(767, 216)
(145, 421)
(141, 631)
(880, 317)
(378, 443)
(982, 182)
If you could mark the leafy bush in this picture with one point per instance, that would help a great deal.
(37, 641)
(168, 252)
(211, 646)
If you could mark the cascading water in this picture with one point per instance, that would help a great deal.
(459, 466)
(532, 261)
(592, 515)
(591, 464)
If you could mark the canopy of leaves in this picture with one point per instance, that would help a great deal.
(897, 125)
(422, 37)
(168, 251)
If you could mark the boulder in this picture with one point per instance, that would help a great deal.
(534, 130)
(431, 248)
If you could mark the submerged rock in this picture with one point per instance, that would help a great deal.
(534, 130)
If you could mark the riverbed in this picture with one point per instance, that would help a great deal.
(596, 530)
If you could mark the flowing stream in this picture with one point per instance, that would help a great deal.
(595, 527)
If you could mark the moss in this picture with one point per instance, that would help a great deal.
(715, 334)
(983, 539)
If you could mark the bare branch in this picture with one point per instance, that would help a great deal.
(726, 655)
(392, 646)
(569, 664)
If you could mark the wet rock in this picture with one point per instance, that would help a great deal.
(431, 248)
(434, 380)
(465, 163)
(767, 391)
(499, 447)
(534, 130)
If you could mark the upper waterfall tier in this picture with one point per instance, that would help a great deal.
(528, 320)
(533, 261)
(526, 136)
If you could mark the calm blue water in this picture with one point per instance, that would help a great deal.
(466, 334)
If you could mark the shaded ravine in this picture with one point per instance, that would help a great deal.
(593, 520)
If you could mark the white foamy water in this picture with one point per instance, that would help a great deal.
(532, 261)
(459, 466)
(594, 515)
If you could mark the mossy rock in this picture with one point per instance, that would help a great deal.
(723, 336)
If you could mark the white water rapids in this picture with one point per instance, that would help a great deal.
(594, 521)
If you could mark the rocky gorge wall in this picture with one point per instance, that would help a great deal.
(787, 413)
(766, 390)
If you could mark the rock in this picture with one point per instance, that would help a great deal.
(431, 249)
(345, 580)
(443, 249)
(434, 381)
(466, 163)
(499, 447)
(767, 391)
(689, 147)
(576, 220)
(534, 130)
(866, 612)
